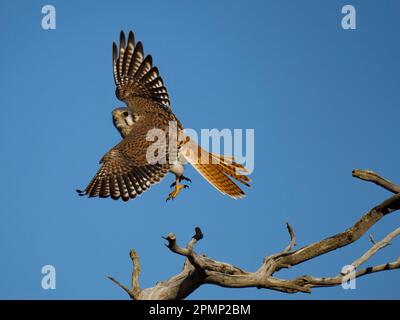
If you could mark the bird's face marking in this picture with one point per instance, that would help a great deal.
(123, 120)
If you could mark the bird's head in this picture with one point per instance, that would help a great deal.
(123, 119)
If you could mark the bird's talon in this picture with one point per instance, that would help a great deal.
(175, 192)
(185, 178)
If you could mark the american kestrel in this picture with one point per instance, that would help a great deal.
(126, 171)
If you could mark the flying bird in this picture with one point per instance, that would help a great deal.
(126, 171)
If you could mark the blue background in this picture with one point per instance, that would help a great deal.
(322, 101)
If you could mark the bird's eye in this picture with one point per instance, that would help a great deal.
(125, 114)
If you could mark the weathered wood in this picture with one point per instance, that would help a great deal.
(199, 269)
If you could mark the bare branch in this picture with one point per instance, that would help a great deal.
(135, 291)
(387, 266)
(313, 282)
(199, 269)
(174, 247)
(135, 273)
(371, 176)
(376, 247)
(292, 239)
(371, 238)
(129, 292)
(342, 239)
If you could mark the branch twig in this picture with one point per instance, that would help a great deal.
(371, 176)
(292, 239)
(134, 293)
(375, 248)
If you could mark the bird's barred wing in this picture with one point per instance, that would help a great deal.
(123, 174)
(135, 75)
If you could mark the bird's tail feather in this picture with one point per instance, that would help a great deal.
(218, 170)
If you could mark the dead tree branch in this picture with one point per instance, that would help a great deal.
(198, 269)
(135, 290)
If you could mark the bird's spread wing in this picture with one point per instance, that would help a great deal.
(135, 75)
(123, 174)
(126, 171)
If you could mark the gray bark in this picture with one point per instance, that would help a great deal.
(199, 269)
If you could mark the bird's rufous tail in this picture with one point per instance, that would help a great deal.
(217, 169)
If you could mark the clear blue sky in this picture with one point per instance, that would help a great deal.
(322, 101)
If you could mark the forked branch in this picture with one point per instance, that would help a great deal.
(198, 269)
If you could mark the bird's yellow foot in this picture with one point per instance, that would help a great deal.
(178, 188)
(180, 179)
